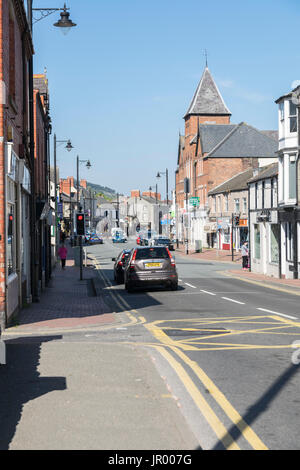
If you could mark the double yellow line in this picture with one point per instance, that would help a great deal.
(201, 403)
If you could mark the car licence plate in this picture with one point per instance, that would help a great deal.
(152, 265)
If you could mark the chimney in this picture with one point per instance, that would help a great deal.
(83, 183)
(135, 193)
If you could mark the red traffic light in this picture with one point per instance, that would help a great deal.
(80, 217)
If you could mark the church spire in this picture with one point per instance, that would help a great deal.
(207, 100)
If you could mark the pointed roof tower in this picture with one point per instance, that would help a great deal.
(207, 100)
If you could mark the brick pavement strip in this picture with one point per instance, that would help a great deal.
(66, 303)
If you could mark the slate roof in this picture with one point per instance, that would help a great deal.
(266, 172)
(212, 134)
(244, 141)
(207, 99)
(236, 183)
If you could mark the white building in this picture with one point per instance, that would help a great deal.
(288, 183)
(264, 228)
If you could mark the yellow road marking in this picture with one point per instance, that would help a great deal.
(212, 419)
(220, 398)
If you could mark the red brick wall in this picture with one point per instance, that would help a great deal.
(135, 193)
(39, 147)
(151, 194)
(14, 115)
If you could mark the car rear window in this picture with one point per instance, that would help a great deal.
(155, 252)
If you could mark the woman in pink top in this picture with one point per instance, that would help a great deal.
(62, 253)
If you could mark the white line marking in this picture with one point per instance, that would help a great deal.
(180, 280)
(206, 292)
(190, 285)
(276, 313)
(232, 300)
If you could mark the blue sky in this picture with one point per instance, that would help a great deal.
(122, 80)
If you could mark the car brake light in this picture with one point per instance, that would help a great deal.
(131, 266)
(172, 259)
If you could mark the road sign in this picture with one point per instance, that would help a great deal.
(195, 201)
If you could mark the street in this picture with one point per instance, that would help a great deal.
(208, 366)
(225, 347)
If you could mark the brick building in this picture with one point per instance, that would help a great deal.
(211, 151)
(42, 130)
(16, 50)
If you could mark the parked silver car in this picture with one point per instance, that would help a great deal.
(150, 266)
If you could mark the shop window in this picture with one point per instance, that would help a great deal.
(257, 241)
(274, 243)
(289, 242)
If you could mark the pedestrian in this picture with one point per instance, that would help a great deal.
(62, 253)
(245, 255)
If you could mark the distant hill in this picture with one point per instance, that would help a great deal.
(108, 193)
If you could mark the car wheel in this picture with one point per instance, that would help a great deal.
(174, 286)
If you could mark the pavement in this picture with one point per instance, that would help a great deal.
(235, 269)
(67, 302)
(74, 386)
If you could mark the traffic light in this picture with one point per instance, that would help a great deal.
(10, 224)
(236, 220)
(80, 225)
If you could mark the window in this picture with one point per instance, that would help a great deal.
(226, 202)
(292, 177)
(281, 111)
(237, 205)
(293, 117)
(274, 243)
(244, 205)
(256, 241)
(289, 242)
(273, 192)
(12, 59)
(215, 203)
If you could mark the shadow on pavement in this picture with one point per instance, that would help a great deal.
(20, 382)
(261, 405)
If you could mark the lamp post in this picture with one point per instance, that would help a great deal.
(88, 165)
(69, 148)
(66, 24)
(150, 189)
(159, 173)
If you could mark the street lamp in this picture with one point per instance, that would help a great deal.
(88, 166)
(150, 189)
(68, 147)
(159, 173)
(64, 23)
